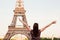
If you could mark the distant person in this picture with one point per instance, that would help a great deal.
(35, 33)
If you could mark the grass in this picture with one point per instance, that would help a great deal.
(50, 39)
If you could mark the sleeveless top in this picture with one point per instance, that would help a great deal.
(33, 37)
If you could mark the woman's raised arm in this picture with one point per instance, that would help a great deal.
(25, 24)
(47, 26)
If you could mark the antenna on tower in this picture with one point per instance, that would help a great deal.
(19, 3)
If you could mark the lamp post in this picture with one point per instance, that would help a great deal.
(52, 36)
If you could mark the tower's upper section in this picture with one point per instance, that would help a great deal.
(19, 4)
(19, 8)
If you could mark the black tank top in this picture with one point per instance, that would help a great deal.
(33, 37)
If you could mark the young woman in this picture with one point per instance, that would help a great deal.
(35, 33)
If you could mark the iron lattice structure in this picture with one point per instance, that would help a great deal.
(12, 30)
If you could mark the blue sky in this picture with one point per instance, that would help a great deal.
(40, 11)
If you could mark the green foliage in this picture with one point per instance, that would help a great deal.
(56, 38)
(45, 39)
(50, 39)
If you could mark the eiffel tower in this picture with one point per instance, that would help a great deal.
(12, 30)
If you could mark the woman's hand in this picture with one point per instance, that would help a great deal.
(53, 22)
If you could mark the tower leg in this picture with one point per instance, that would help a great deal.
(14, 21)
(8, 35)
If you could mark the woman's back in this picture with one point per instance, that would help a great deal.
(35, 37)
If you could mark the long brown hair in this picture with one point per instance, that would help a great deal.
(35, 29)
